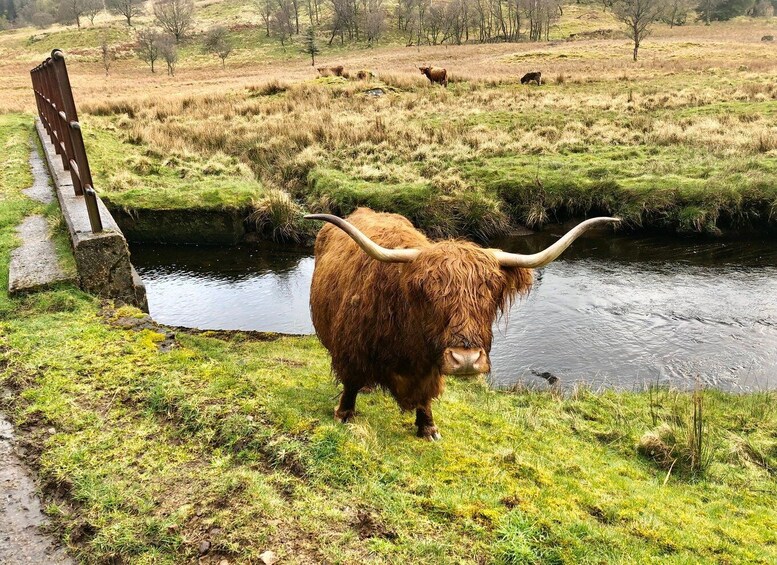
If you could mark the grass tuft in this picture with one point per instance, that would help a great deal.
(277, 217)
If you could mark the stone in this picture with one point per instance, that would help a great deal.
(41, 189)
(34, 265)
(268, 557)
(204, 547)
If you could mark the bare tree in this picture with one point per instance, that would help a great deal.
(127, 8)
(282, 24)
(676, 12)
(169, 52)
(266, 12)
(763, 9)
(107, 55)
(175, 17)
(147, 46)
(92, 8)
(69, 11)
(42, 20)
(374, 20)
(294, 4)
(217, 41)
(456, 28)
(314, 9)
(639, 16)
(342, 19)
(404, 13)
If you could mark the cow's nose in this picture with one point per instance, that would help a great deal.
(465, 361)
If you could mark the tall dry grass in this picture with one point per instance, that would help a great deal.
(283, 130)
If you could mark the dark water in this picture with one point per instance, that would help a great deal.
(614, 311)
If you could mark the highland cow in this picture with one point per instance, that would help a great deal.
(406, 311)
(535, 76)
(330, 71)
(435, 75)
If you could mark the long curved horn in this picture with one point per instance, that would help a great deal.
(544, 257)
(370, 247)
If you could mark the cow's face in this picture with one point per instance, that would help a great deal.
(455, 291)
(425, 70)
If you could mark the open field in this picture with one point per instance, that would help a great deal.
(684, 140)
(151, 446)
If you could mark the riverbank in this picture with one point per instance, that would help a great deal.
(475, 160)
(154, 447)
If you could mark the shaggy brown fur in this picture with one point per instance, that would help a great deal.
(388, 324)
(532, 77)
(329, 71)
(435, 75)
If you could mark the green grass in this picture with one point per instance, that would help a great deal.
(677, 188)
(153, 450)
(74, 41)
(135, 177)
(143, 453)
(439, 213)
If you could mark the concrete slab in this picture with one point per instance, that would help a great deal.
(41, 189)
(35, 264)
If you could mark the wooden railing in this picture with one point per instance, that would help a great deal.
(57, 112)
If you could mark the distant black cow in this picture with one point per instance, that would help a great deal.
(536, 76)
(767, 38)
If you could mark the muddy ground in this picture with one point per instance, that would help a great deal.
(23, 536)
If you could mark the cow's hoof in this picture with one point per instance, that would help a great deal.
(344, 416)
(429, 433)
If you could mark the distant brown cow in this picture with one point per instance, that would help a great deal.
(365, 75)
(329, 71)
(435, 75)
(535, 76)
(407, 310)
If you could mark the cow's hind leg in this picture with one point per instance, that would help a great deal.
(346, 409)
(425, 422)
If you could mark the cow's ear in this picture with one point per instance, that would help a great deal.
(519, 280)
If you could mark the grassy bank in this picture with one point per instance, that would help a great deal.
(152, 447)
(470, 160)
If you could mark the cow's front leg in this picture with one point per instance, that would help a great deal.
(425, 422)
(346, 410)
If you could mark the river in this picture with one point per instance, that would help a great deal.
(614, 311)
